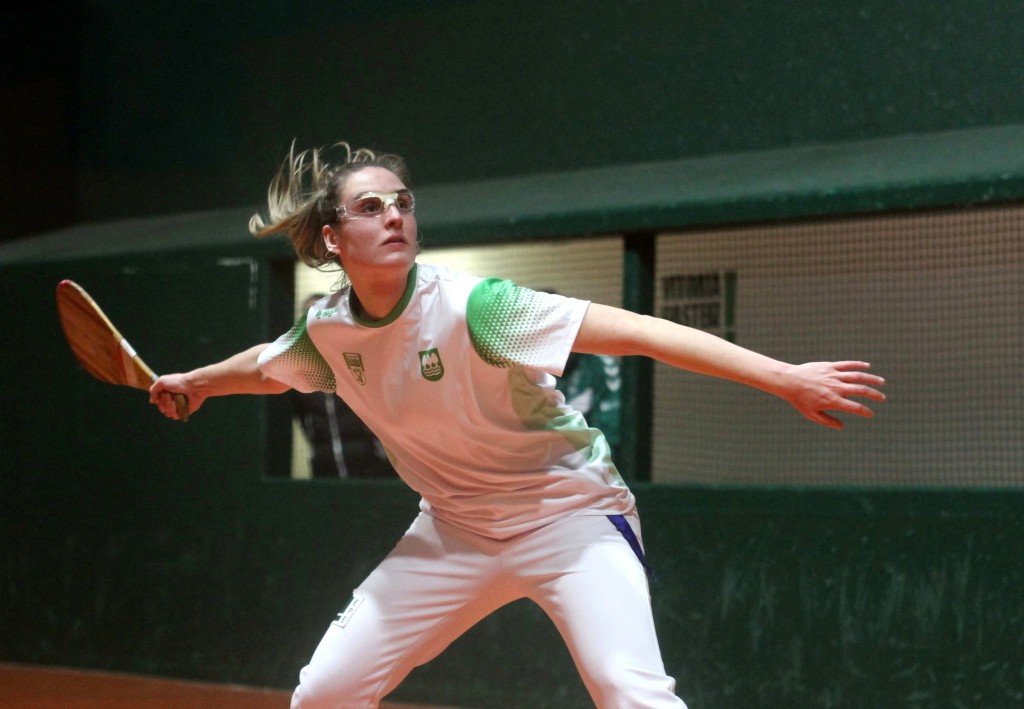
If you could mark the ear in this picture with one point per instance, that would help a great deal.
(331, 237)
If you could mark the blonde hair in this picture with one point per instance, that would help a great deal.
(303, 197)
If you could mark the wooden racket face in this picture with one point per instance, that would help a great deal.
(96, 343)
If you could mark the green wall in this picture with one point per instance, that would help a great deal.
(182, 106)
(132, 543)
(472, 90)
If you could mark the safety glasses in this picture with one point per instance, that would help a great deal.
(372, 204)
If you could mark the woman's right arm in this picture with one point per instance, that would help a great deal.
(812, 388)
(238, 374)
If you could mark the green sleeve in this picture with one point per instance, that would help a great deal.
(294, 360)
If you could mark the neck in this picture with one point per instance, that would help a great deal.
(379, 294)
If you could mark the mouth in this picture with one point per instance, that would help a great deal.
(395, 239)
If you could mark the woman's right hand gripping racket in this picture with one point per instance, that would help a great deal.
(99, 347)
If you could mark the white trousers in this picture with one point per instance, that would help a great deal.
(440, 580)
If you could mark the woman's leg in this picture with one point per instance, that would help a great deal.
(590, 582)
(430, 589)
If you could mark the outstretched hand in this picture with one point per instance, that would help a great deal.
(817, 387)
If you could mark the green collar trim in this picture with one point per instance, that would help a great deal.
(357, 307)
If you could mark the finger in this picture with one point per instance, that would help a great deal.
(862, 378)
(856, 408)
(851, 364)
(827, 420)
(158, 399)
(859, 375)
(167, 405)
(846, 406)
(864, 392)
(180, 407)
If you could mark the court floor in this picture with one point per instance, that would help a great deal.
(33, 687)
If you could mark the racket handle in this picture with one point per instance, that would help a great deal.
(181, 404)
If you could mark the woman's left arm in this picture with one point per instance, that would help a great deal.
(812, 388)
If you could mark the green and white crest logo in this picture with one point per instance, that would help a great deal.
(354, 360)
(431, 366)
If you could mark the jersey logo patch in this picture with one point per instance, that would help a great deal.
(431, 366)
(354, 360)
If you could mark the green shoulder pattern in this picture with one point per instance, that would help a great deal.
(502, 321)
(298, 354)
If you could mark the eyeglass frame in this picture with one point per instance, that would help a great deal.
(387, 199)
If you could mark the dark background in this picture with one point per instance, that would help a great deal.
(120, 108)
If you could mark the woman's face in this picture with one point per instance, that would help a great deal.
(365, 240)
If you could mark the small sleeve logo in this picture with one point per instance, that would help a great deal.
(431, 366)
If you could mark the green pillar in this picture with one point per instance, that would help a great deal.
(634, 459)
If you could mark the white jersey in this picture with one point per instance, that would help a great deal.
(457, 383)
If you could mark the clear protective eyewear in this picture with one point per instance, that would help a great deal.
(372, 204)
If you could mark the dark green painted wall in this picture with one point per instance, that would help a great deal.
(167, 106)
(471, 90)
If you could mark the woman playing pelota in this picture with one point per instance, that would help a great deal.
(456, 376)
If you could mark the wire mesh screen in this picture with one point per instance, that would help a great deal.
(590, 269)
(933, 301)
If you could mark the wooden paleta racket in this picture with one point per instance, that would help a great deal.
(99, 347)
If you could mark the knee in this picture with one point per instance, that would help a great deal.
(625, 687)
(319, 691)
(308, 695)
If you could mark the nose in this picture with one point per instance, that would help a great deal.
(392, 213)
